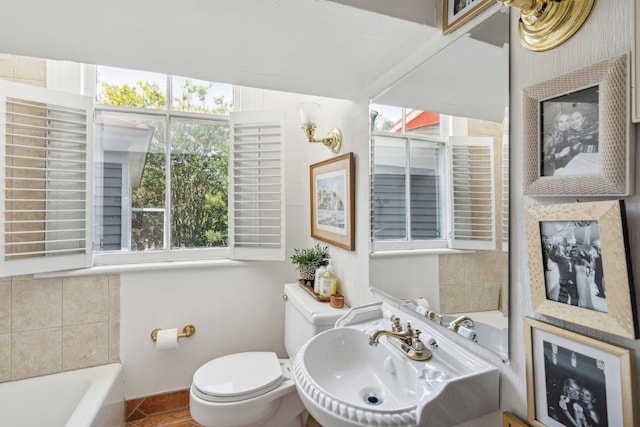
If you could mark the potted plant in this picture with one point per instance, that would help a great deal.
(307, 260)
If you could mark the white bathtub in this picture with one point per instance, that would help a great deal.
(90, 397)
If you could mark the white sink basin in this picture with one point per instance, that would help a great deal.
(344, 381)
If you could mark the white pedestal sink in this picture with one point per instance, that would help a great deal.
(344, 381)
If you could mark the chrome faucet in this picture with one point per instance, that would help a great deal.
(465, 321)
(407, 341)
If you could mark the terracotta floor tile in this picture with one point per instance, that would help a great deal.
(172, 419)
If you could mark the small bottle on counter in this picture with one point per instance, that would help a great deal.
(328, 282)
(319, 272)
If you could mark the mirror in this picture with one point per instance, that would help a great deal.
(461, 92)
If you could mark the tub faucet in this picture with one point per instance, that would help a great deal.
(465, 321)
(407, 341)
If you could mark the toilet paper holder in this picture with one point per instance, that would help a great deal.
(187, 331)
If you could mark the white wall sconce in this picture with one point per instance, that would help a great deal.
(309, 118)
(546, 24)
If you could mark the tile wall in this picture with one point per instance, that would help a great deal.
(472, 282)
(49, 325)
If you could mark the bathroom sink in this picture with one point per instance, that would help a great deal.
(344, 381)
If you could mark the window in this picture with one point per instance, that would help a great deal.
(162, 158)
(141, 172)
(408, 189)
(429, 189)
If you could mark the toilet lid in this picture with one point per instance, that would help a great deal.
(238, 376)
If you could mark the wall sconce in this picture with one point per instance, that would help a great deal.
(309, 118)
(546, 24)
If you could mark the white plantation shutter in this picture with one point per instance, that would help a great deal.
(505, 193)
(46, 177)
(472, 193)
(256, 186)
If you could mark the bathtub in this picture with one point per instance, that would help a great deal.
(90, 397)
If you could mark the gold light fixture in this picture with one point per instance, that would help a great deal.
(309, 118)
(546, 24)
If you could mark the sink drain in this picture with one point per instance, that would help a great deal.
(373, 399)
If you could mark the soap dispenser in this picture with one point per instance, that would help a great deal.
(328, 282)
(319, 272)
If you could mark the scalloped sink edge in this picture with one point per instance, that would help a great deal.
(470, 388)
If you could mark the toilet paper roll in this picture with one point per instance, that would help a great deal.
(167, 340)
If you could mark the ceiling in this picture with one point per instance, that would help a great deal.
(467, 78)
(318, 47)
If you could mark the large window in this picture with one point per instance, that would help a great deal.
(430, 188)
(151, 168)
(161, 165)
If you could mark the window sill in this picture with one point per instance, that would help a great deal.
(405, 252)
(149, 266)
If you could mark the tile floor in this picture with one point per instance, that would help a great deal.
(182, 419)
(167, 410)
(172, 419)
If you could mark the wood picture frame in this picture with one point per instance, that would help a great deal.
(571, 376)
(579, 265)
(577, 133)
(457, 12)
(510, 420)
(333, 203)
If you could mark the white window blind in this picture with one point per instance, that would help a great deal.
(472, 193)
(256, 193)
(505, 193)
(45, 174)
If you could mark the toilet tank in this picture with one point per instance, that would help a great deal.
(305, 317)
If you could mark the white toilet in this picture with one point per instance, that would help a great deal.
(256, 388)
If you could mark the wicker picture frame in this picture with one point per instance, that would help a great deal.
(587, 244)
(607, 171)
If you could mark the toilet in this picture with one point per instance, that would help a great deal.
(256, 388)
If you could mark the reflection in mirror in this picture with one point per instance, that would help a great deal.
(440, 190)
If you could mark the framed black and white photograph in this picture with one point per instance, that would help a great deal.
(580, 265)
(570, 128)
(575, 380)
(572, 261)
(457, 12)
(577, 133)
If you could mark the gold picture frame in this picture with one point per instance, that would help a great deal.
(577, 133)
(571, 376)
(457, 12)
(510, 420)
(333, 203)
(578, 273)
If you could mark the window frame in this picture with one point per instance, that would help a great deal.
(167, 253)
(449, 242)
(410, 243)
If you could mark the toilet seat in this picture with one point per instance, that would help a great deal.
(238, 377)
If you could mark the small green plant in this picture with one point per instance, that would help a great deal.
(308, 260)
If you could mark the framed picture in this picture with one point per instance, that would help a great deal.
(457, 12)
(579, 265)
(576, 133)
(575, 380)
(635, 66)
(510, 420)
(333, 203)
